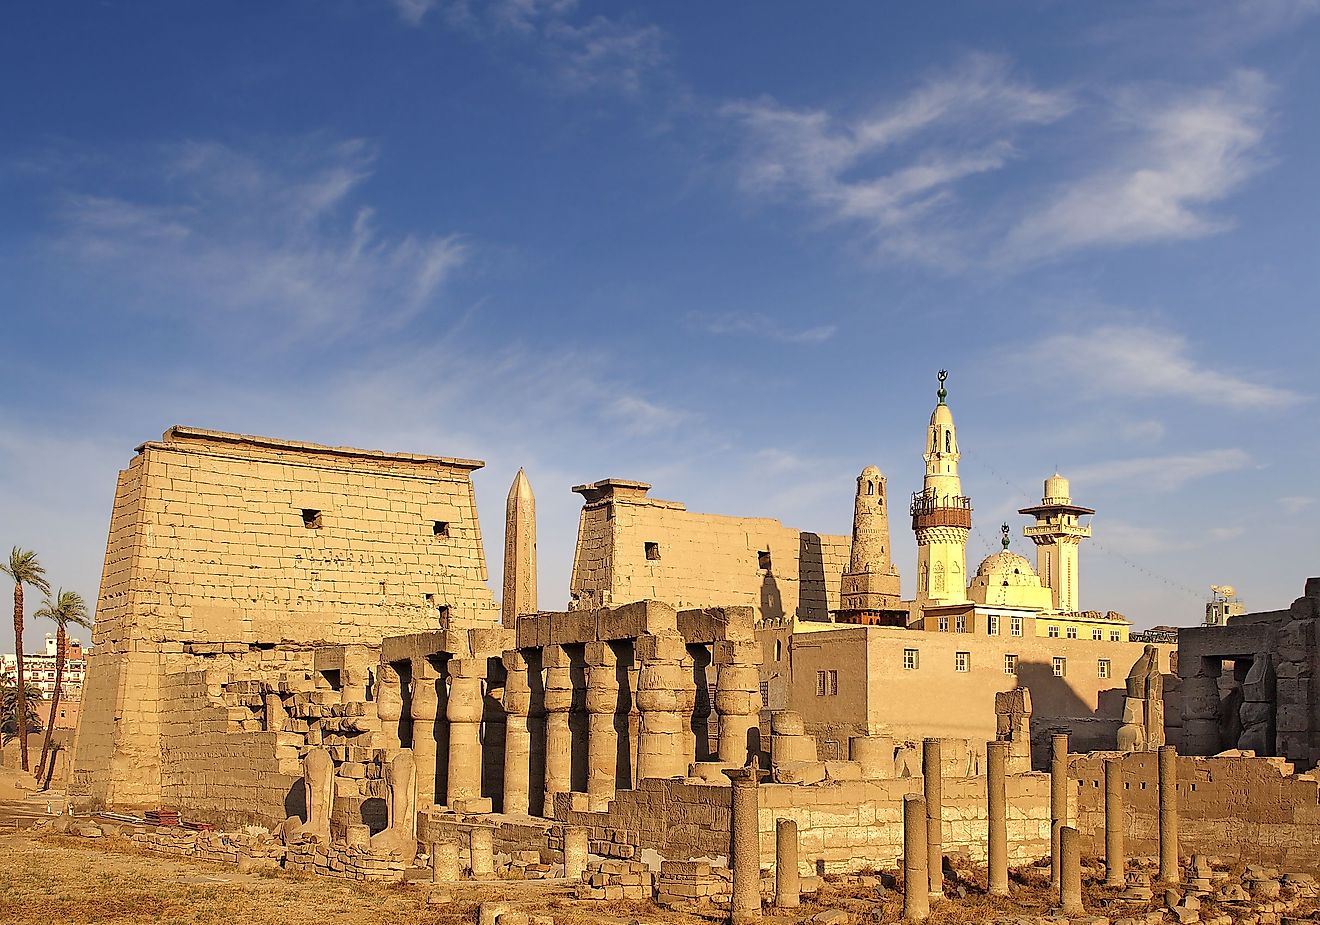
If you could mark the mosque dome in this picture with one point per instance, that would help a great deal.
(1008, 566)
(870, 472)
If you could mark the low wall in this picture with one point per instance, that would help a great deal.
(1254, 809)
(848, 825)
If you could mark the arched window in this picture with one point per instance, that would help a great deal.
(948, 441)
(870, 487)
(939, 576)
(779, 648)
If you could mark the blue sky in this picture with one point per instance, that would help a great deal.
(719, 247)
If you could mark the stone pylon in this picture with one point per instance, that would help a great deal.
(519, 551)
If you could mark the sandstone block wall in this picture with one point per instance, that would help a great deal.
(849, 825)
(221, 544)
(1253, 809)
(631, 547)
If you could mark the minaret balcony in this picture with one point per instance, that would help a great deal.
(930, 510)
(1052, 530)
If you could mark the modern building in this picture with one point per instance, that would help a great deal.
(39, 668)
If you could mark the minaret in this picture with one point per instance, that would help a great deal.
(1057, 535)
(871, 583)
(519, 552)
(941, 514)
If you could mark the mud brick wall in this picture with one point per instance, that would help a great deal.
(1254, 809)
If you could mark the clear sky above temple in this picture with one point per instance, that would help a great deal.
(722, 248)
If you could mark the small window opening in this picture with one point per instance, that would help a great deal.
(763, 559)
(442, 612)
(382, 587)
(311, 518)
(439, 528)
(653, 551)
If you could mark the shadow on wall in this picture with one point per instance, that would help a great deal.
(813, 604)
(295, 801)
(772, 603)
(1055, 707)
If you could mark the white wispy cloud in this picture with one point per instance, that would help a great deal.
(1295, 504)
(1178, 157)
(754, 324)
(1140, 361)
(890, 169)
(581, 52)
(1162, 473)
(281, 234)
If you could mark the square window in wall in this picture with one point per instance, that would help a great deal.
(311, 518)
(1114, 636)
(821, 681)
(962, 661)
(1015, 626)
(944, 624)
(1053, 632)
(1102, 668)
(1097, 634)
(1060, 666)
(960, 623)
(439, 528)
(1072, 632)
(763, 559)
(1010, 664)
(765, 693)
(653, 551)
(992, 625)
(911, 659)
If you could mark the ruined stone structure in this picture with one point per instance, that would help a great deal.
(631, 547)
(1143, 707)
(1249, 684)
(229, 552)
(869, 590)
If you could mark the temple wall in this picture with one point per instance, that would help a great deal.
(634, 548)
(210, 552)
(851, 825)
(1252, 809)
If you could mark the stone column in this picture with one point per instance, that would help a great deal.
(558, 733)
(875, 754)
(389, 705)
(788, 879)
(916, 858)
(1200, 698)
(1058, 800)
(1169, 814)
(1115, 859)
(424, 709)
(481, 853)
(745, 845)
(932, 773)
(575, 851)
(602, 735)
(660, 750)
(737, 700)
(444, 862)
(517, 735)
(1070, 871)
(996, 766)
(464, 711)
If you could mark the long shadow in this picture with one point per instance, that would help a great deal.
(1055, 707)
(536, 729)
(701, 706)
(494, 728)
(813, 599)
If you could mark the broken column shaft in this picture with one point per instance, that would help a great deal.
(1168, 776)
(1115, 859)
(1058, 800)
(996, 766)
(916, 858)
(933, 784)
(788, 880)
(745, 845)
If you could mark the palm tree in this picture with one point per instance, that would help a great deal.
(24, 569)
(9, 724)
(67, 608)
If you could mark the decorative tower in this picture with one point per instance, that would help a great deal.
(941, 514)
(870, 585)
(519, 552)
(1057, 534)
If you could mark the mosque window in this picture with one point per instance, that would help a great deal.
(1053, 631)
(1102, 668)
(948, 442)
(911, 659)
(939, 576)
(1097, 634)
(962, 661)
(1072, 632)
(779, 649)
(944, 623)
(1010, 664)
(870, 488)
(960, 623)
(992, 625)
(1114, 636)
(1060, 666)
(1015, 626)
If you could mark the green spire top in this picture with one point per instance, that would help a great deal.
(1004, 539)
(944, 374)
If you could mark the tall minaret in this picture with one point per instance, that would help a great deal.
(871, 582)
(519, 552)
(941, 514)
(1057, 534)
